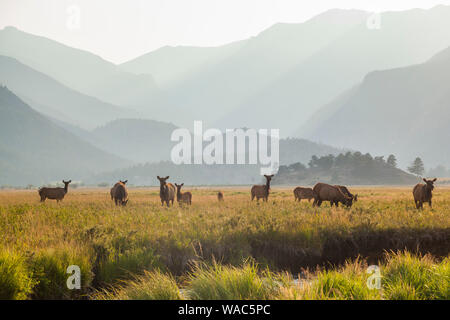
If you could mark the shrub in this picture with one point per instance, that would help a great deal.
(151, 286)
(50, 271)
(218, 282)
(15, 278)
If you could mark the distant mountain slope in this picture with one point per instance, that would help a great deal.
(404, 111)
(212, 91)
(139, 140)
(54, 99)
(78, 69)
(34, 150)
(170, 65)
(288, 101)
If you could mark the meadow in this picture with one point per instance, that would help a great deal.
(236, 249)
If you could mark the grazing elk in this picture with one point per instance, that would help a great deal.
(423, 193)
(166, 191)
(326, 192)
(111, 192)
(185, 197)
(54, 193)
(347, 192)
(262, 191)
(119, 193)
(220, 196)
(303, 193)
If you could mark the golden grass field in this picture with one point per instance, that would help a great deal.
(112, 243)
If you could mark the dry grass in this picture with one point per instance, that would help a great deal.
(119, 243)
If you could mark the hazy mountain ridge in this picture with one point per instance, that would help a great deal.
(78, 69)
(404, 38)
(50, 97)
(402, 111)
(34, 150)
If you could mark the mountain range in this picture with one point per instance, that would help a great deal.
(404, 111)
(34, 150)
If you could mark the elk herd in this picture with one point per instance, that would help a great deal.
(321, 192)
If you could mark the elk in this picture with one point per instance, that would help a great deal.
(119, 193)
(423, 193)
(326, 192)
(185, 197)
(347, 192)
(54, 193)
(220, 196)
(303, 193)
(262, 191)
(166, 191)
(111, 192)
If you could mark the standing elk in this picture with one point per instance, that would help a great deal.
(347, 192)
(185, 197)
(262, 191)
(111, 192)
(423, 193)
(119, 193)
(303, 193)
(54, 193)
(326, 192)
(166, 191)
(220, 196)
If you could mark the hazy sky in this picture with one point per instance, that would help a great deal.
(119, 30)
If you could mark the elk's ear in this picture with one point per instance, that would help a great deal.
(425, 180)
(166, 178)
(272, 175)
(69, 181)
(176, 184)
(159, 178)
(182, 184)
(434, 180)
(125, 182)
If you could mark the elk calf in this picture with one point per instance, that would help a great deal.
(262, 191)
(166, 191)
(185, 197)
(423, 193)
(303, 193)
(54, 193)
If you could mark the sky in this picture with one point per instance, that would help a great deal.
(120, 30)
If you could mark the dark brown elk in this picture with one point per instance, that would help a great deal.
(220, 196)
(303, 193)
(183, 197)
(111, 192)
(326, 192)
(54, 193)
(423, 193)
(119, 193)
(166, 191)
(262, 191)
(347, 192)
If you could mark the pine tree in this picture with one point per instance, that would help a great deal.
(392, 161)
(417, 167)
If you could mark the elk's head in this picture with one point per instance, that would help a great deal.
(179, 186)
(430, 183)
(162, 181)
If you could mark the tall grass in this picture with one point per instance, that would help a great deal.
(16, 279)
(112, 244)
